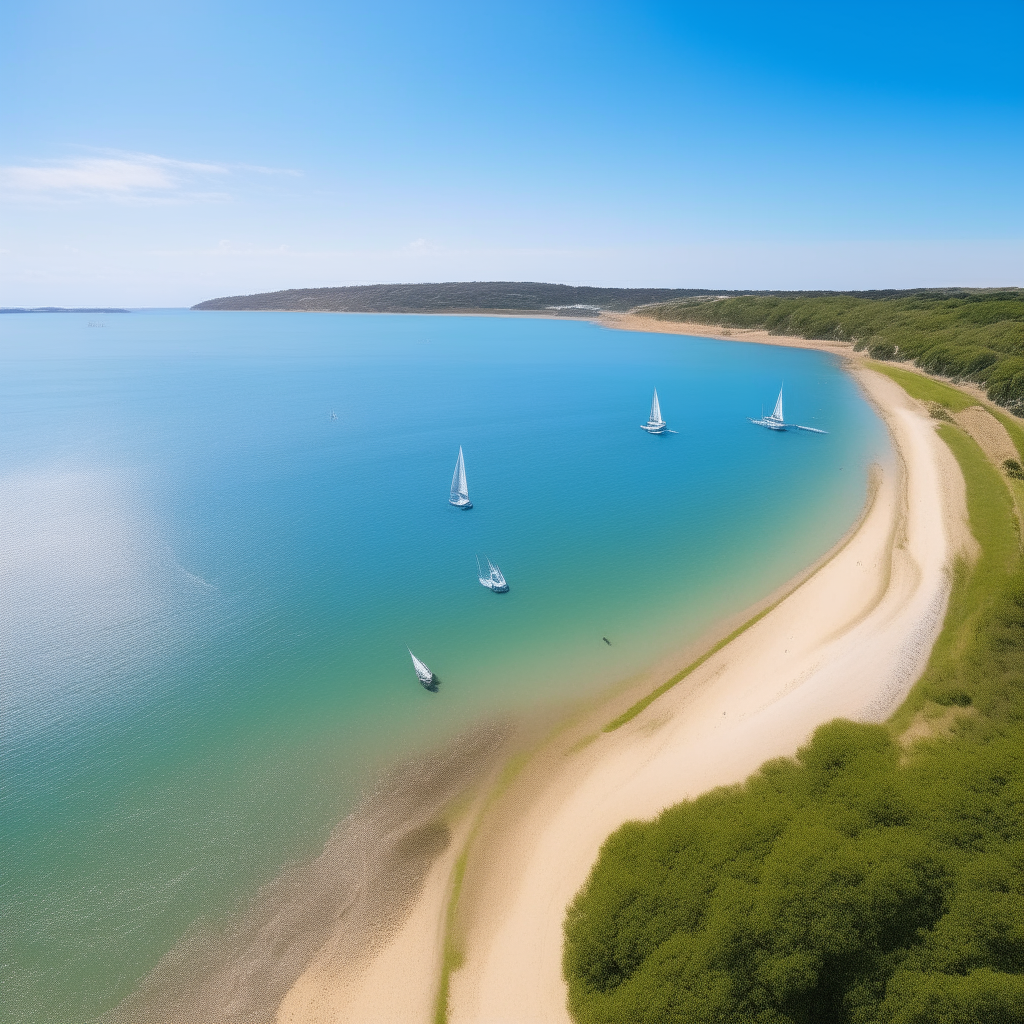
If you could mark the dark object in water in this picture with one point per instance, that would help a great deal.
(606, 640)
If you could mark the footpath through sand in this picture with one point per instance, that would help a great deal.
(849, 641)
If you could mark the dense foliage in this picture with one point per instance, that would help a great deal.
(966, 335)
(868, 880)
(504, 296)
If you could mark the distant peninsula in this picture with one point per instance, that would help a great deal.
(61, 309)
(510, 297)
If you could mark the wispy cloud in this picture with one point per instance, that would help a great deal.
(137, 177)
(421, 245)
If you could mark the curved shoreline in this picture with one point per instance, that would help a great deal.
(849, 640)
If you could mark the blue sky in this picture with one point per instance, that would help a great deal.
(159, 154)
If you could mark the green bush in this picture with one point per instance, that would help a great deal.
(861, 881)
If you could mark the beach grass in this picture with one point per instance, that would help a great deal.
(452, 953)
(976, 589)
(945, 396)
(452, 956)
(925, 389)
(873, 878)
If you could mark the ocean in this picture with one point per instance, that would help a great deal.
(208, 585)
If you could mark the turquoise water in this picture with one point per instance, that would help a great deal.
(208, 585)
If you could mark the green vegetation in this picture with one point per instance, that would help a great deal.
(451, 954)
(975, 335)
(925, 389)
(874, 878)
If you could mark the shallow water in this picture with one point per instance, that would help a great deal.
(207, 586)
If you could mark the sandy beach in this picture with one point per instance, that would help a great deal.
(849, 641)
(632, 322)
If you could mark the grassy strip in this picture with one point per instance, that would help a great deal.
(644, 702)
(929, 390)
(864, 882)
(975, 589)
(452, 956)
(926, 389)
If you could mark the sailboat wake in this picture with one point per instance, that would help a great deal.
(775, 420)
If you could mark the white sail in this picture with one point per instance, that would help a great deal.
(777, 413)
(494, 580)
(460, 489)
(422, 672)
(655, 409)
(655, 425)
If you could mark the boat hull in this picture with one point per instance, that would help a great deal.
(658, 428)
(771, 424)
(460, 502)
(491, 585)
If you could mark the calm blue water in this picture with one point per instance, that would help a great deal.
(208, 586)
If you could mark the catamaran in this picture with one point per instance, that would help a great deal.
(776, 421)
(655, 425)
(427, 678)
(460, 489)
(493, 580)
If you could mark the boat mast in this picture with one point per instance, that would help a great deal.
(460, 489)
(777, 414)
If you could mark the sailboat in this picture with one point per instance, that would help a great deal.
(460, 490)
(427, 678)
(334, 415)
(655, 425)
(776, 421)
(493, 580)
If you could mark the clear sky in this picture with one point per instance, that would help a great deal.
(161, 153)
